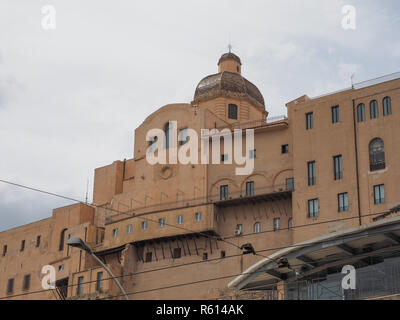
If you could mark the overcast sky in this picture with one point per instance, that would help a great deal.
(70, 98)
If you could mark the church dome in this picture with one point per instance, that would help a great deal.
(229, 83)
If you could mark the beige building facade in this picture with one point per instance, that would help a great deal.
(175, 231)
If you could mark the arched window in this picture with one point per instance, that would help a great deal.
(361, 112)
(377, 154)
(257, 227)
(373, 109)
(387, 106)
(168, 134)
(62, 240)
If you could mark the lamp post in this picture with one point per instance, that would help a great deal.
(79, 243)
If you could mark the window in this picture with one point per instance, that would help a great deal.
(149, 256)
(377, 155)
(290, 223)
(387, 106)
(61, 267)
(312, 179)
(115, 233)
(153, 144)
(335, 114)
(10, 286)
(99, 281)
(289, 184)
(4, 250)
(373, 109)
(168, 134)
(179, 220)
(183, 136)
(239, 229)
(144, 225)
(309, 121)
(79, 289)
(343, 202)
(313, 208)
(232, 111)
(277, 224)
(223, 192)
(223, 254)
(129, 228)
(379, 194)
(252, 154)
(361, 112)
(197, 216)
(26, 283)
(22, 245)
(205, 255)
(62, 240)
(161, 222)
(249, 188)
(177, 253)
(38, 238)
(337, 168)
(224, 157)
(257, 227)
(285, 148)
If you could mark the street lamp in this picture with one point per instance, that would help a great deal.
(79, 243)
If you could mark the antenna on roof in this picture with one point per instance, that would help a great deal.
(351, 79)
(87, 190)
(229, 48)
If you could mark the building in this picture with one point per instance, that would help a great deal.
(183, 231)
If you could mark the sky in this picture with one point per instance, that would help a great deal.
(71, 97)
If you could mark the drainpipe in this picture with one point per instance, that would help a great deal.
(356, 153)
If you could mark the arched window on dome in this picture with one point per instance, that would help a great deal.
(377, 154)
(232, 111)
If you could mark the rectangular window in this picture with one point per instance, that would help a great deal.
(361, 112)
(205, 256)
(99, 281)
(343, 202)
(115, 233)
(177, 253)
(277, 224)
(223, 192)
(252, 154)
(223, 254)
(161, 222)
(10, 286)
(232, 111)
(27, 282)
(4, 250)
(379, 194)
(129, 228)
(249, 188)
(38, 238)
(309, 121)
(313, 210)
(335, 114)
(22, 245)
(239, 229)
(285, 148)
(149, 256)
(338, 167)
(179, 220)
(79, 288)
(144, 225)
(312, 174)
(197, 216)
(289, 184)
